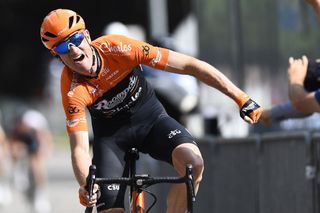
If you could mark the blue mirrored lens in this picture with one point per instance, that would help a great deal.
(63, 47)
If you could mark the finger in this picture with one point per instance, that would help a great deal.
(93, 197)
(248, 119)
(83, 200)
(304, 60)
(256, 114)
(95, 188)
(291, 60)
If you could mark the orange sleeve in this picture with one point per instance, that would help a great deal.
(134, 52)
(74, 100)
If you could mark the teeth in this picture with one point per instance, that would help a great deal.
(77, 57)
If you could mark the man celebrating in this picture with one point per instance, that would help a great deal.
(103, 76)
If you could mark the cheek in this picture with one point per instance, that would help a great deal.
(64, 59)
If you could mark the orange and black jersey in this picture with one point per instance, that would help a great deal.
(119, 87)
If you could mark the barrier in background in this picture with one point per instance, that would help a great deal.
(268, 173)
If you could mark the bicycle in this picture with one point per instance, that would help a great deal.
(139, 183)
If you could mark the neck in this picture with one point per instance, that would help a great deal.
(94, 61)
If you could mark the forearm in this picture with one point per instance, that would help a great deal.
(80, 156)
(214, 78)
(286, 111)
(80, 163)
(206, 73)
(296, 93)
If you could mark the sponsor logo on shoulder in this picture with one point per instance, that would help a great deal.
(73, 109)
(120, 48)
(156, 60)
(146, 50)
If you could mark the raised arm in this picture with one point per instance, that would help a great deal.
(301, 99)
(183, 64)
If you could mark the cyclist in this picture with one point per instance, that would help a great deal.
(31, 139)
(5, 191)
(103, 76)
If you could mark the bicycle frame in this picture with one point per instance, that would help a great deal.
(136, 196)
(138, 183)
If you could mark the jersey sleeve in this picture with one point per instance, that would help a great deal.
(134, 52)
(74, 100)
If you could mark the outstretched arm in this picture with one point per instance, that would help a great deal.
(280, 112)
(301, 99)
(183, 64)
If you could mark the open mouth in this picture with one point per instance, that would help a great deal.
(80, 58)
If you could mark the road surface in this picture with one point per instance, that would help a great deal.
(62, 188)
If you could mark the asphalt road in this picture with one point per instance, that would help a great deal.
(61, 188)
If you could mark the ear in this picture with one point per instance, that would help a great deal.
(53, 53)
(87, 35)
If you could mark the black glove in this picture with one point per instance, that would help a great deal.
(250, 109)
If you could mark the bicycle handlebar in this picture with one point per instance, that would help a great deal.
(143, 181)
(90, 184)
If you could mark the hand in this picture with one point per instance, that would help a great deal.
(297, 70)
(84, 196)
(266, 117)
(251, 111)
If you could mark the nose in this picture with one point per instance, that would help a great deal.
(73, 48)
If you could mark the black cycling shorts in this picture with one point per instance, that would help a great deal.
(30, 140)
(156, 136)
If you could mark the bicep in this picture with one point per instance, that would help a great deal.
(180, 63)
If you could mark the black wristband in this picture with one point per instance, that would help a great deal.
(248, 107)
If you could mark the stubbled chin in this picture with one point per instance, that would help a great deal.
(79, 68)
(83, 65)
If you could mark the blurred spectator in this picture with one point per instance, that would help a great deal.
(280, 112)
(304, 89)
(5, 192)
(304, 97)
(30, 143)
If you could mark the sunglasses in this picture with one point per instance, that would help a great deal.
(64, 46)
